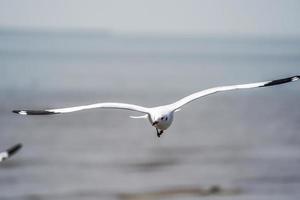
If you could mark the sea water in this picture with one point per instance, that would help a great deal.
(245, 140)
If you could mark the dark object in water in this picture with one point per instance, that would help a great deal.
(213, 190)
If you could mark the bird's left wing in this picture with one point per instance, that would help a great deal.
(203, 93)
(9, 152)
(78, 108)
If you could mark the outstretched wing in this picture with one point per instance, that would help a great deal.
(203, 93)
(78, 108)
(9, 152)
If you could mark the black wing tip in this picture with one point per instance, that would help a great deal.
(33, 112)
(281, 81)
(14, 149)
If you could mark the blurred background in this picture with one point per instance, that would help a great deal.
(234, 145)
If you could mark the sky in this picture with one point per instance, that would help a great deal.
(185, 17)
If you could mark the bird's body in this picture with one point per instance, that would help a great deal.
(160, 117)
(10, 151)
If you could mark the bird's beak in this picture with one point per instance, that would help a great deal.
(154, 123)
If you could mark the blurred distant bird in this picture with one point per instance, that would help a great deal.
(9, 152)
(160, 117)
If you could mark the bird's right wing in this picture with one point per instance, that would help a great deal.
(78, 108)
(9, 152)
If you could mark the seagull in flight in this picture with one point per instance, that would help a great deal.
(9, 152)
(160, 117)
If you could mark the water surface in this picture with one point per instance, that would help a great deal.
(246, 141)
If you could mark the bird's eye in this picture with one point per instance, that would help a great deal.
(162, 118)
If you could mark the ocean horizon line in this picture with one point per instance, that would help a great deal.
(168, 36)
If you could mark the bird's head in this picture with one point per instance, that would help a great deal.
(159, 120)
(162, 121)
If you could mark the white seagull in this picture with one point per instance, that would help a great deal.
(160, 117)
(9, 152)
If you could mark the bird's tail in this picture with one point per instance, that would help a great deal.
(139, 117)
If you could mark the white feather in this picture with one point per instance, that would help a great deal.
(3, 156)
(139, 117)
